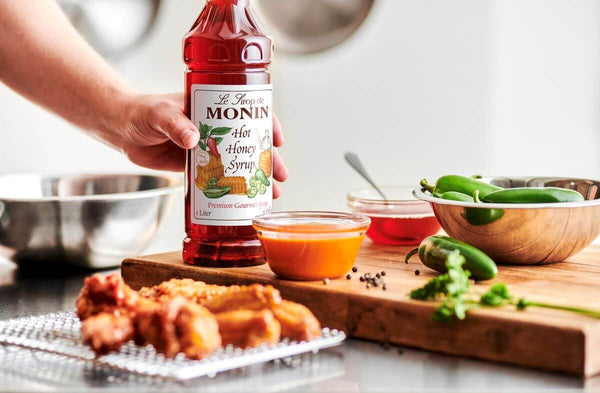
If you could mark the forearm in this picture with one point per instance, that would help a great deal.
(44, 59)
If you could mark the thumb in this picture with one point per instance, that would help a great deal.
(177, 127)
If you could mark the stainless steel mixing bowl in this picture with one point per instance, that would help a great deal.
(525, 234)
(92, 221)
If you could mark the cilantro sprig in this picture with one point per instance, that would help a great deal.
(453, 290)
(452, 286)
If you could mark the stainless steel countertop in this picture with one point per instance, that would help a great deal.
(356, 366)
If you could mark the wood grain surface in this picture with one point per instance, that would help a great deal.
(545, 339)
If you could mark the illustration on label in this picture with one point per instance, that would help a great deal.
(233, 162)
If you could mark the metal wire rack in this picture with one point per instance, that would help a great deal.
(59, 334)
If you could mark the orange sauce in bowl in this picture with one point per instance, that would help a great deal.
(311, 251)
(311, 259)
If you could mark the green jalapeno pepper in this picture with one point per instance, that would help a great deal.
(434, 250)
(474, 216)
(252, 191)
(462, 184)
(260, 176)
(217, 192)
(481, 216)
(212, 183)
(455, 196)
(533, 195)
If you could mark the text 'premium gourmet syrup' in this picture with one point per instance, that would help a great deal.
(229, 98)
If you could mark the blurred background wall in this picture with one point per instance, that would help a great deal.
(425, 87)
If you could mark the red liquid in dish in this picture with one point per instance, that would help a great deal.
(226, 46)
(402, 231)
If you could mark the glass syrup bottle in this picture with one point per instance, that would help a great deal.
(228, 95)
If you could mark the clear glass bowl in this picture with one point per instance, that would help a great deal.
(401, 220)
(311, 245)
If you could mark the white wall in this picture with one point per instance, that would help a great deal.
(410, 93)
(425, 88)
(546, 88)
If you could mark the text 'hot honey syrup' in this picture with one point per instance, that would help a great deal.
(229, 175)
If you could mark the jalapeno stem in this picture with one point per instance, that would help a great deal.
(476, 196)
(410, 254)
(427, 186)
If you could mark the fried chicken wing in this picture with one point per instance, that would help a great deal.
(187, 316)
(196, 291)
(252, 297)
(105, 294)
(106, 332)
(297, 321)
(112, 313)
(248, 328)
(178, 326)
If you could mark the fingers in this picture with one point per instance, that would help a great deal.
(165, 157)
(173, 159)
(177, 98)
(277, 133)
(173, 123)
(280, 172)
(276, 190)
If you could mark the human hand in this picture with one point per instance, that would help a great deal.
(157, 132)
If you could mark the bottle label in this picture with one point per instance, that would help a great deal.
(232, 166)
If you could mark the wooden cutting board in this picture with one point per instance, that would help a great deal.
(545, 339)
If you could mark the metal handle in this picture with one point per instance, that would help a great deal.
(355, 163)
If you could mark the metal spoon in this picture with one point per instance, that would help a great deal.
(355, 163)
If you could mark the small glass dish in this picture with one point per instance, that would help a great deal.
(311, 245)
(401, 220)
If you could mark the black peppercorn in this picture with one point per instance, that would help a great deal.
(348, 276)
(354, 269)
(383, 273)
(417, 272)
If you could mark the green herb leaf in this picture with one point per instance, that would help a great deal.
(435, 287)
(218, 140)
(496, 296)
(204, 130)
(221, 130)
(501, 290)
(443, 314)
(458, 282)
(454, 285)
(491, 300)
(460, 308)
(522, 304)
(202, 145)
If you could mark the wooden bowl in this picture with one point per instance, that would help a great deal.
(525, 234)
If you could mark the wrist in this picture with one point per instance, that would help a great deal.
(116, 119)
